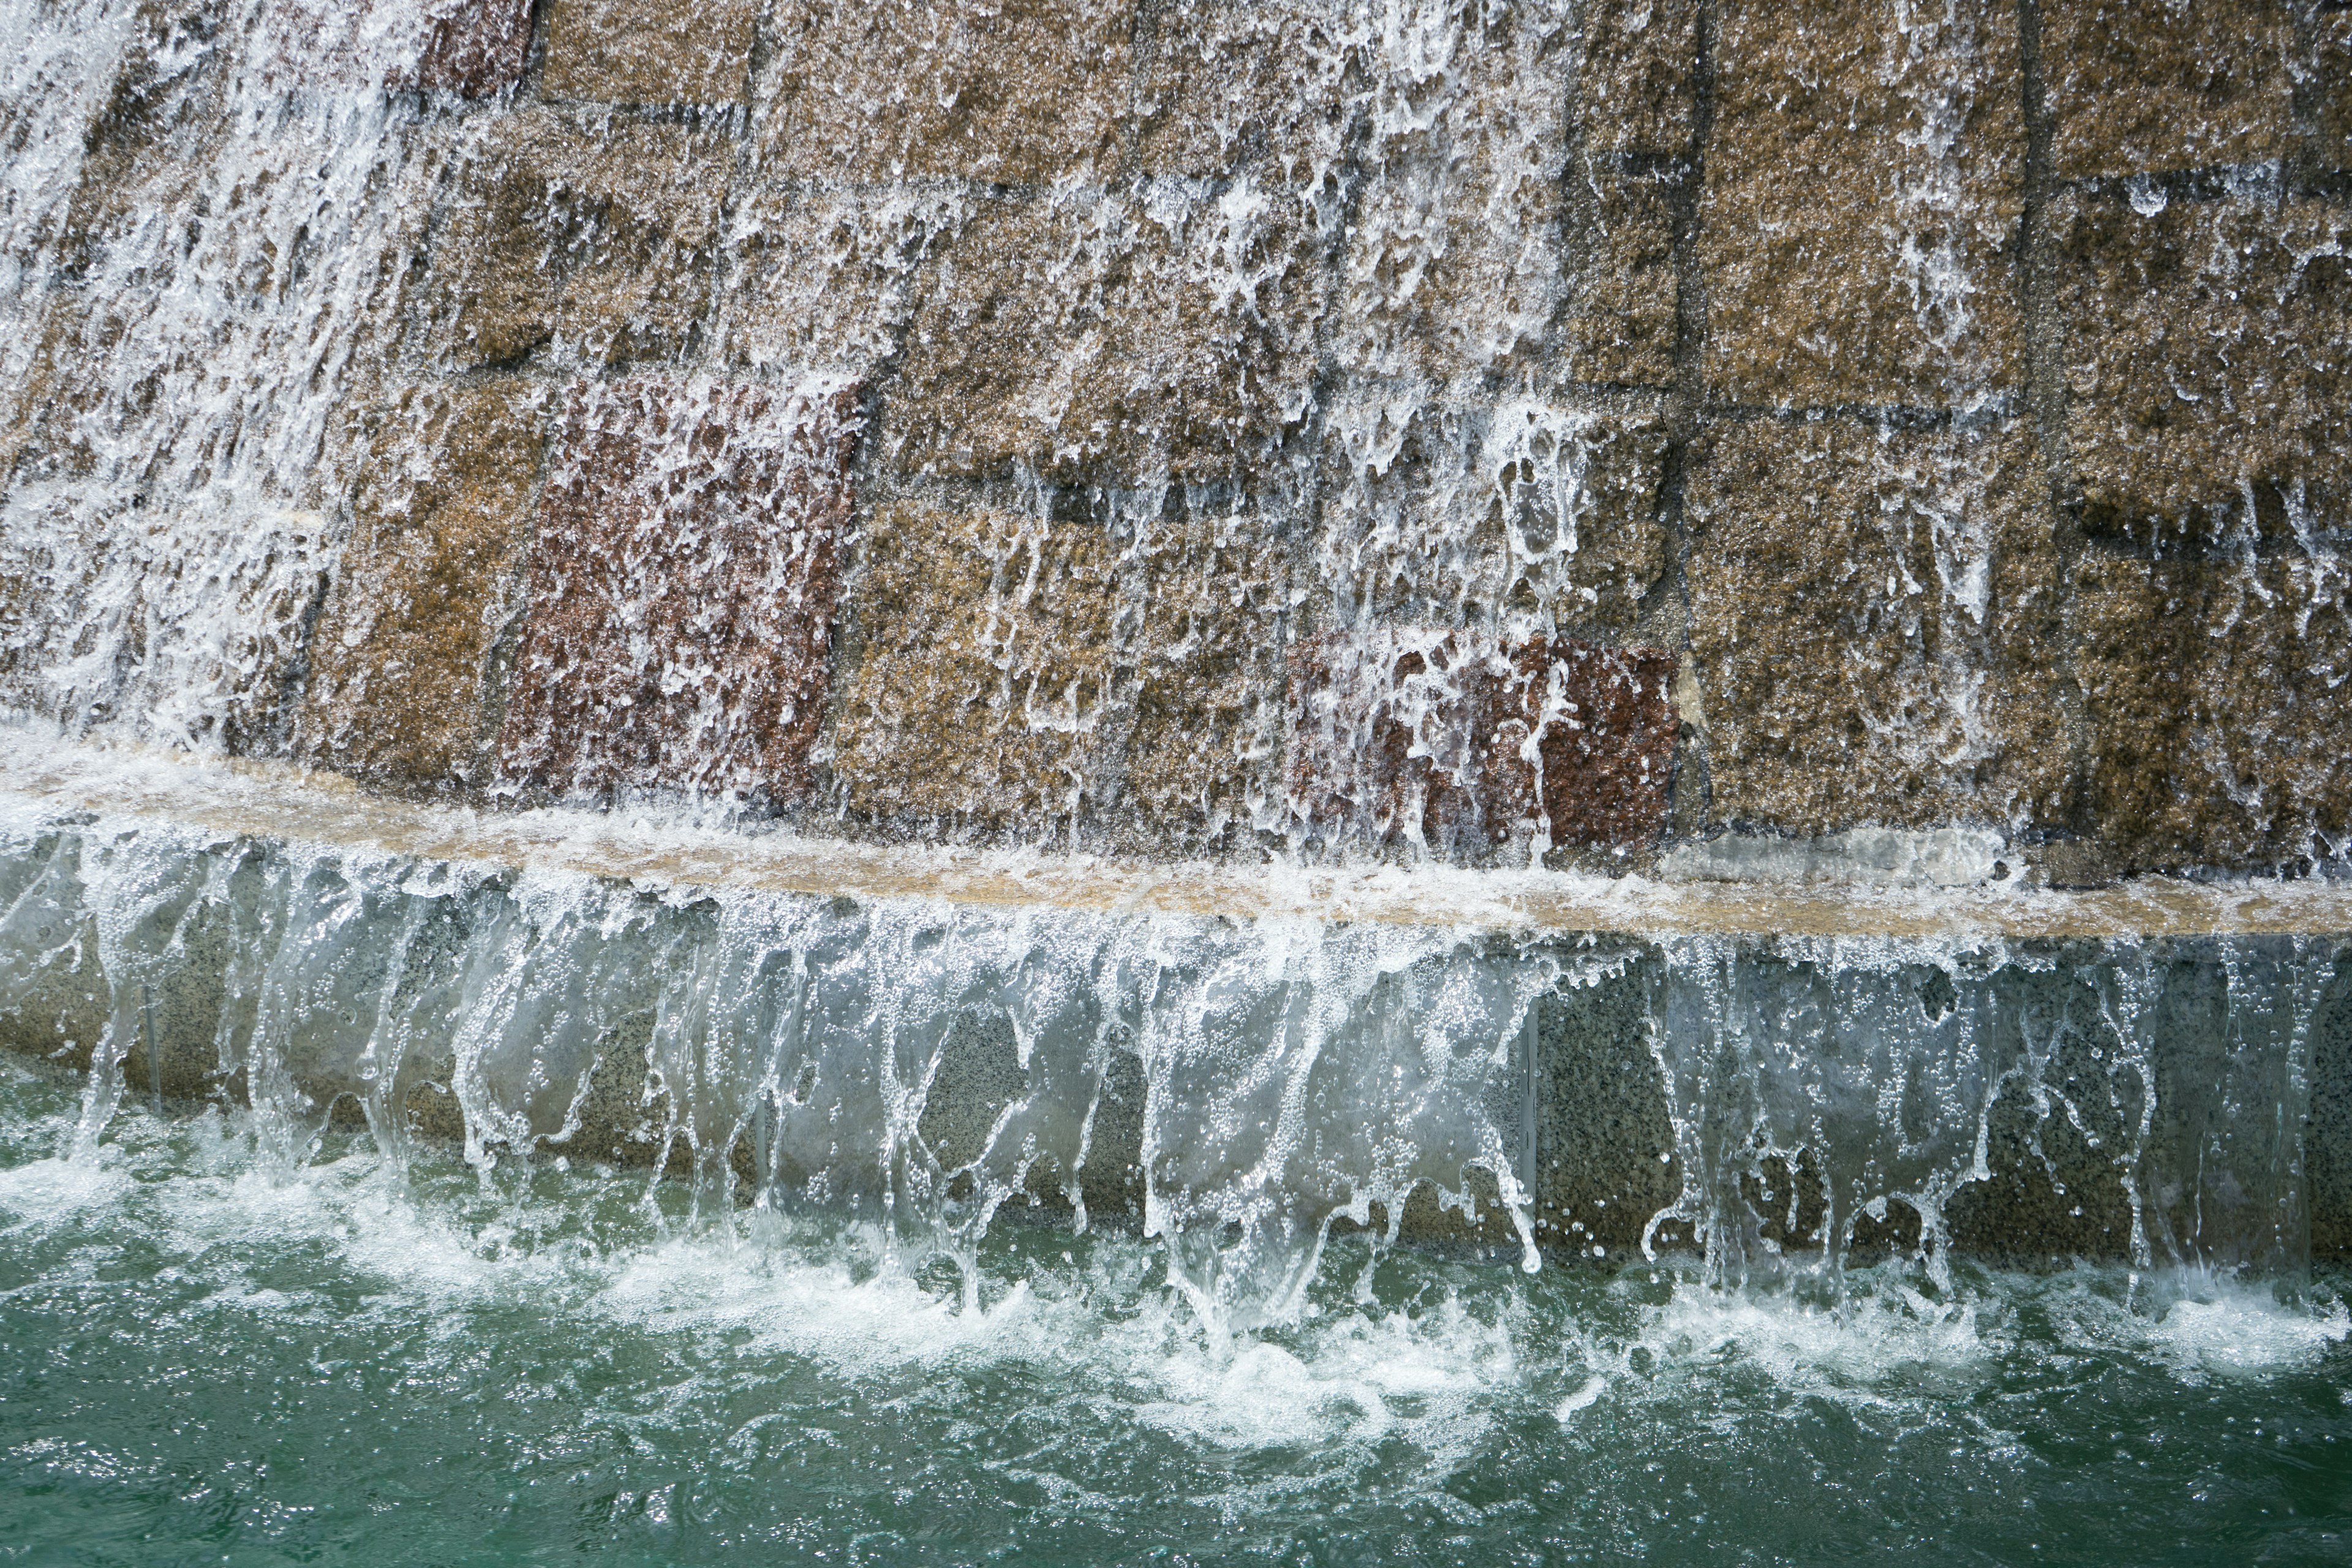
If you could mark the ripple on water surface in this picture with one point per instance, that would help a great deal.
(206, 1359)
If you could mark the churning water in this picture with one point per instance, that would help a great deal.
(209, 1357)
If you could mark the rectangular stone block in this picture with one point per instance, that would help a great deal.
(825, 278)
(1637, 76)
(1455, 743)
(983, 668)
(1101, 337)
(1864, 185)
(1203, 759)
(649, 52)
(592, 242)
(1453, 250)
(1875, 628)
(683, 588)
(1518, 514)
(1227, 85)
(2209, 361)
(1022, 92)
(2136, 86)
(402, 685)
(2330, 77)
(474, 48)
(467, 49)
(2216, 698)
(1624, 289)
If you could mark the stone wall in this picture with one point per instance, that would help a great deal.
(1180, 427)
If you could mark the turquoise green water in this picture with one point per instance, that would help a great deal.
(202, 1360)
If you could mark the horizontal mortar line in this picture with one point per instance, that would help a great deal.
(287, 803)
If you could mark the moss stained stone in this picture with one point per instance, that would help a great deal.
(683, 590)
(2136, 86)
(2208, 360)
(400, 683)
(1876, 627)
(1864, 185)
(983, 668)
(649, 52)
(1021, 92)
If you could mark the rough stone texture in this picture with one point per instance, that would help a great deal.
(476, 47)
(683, 589)
(2328, 1159)
(649, 52)
(823, 278)
(1624, 289)
(1875, 628)
(1527, 513)
(1863, 190)
(1451, 266)
(1602, 1116)
(594, 243)
(468, 49)
(400, 680)
(2216, 699)
(2141, 85)
(1228, 85)
(2209, 363)
(1202, 760)
(1637, 81)
(1450, 741)
(2329, 78)
(1022, 92)
(984, 668)
(1110, 337)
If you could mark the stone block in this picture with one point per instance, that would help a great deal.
(2215, 697)
(467, 49)
(1604, 1116)
(1874, 629)
(2208, 361)
(1023, 93)
(1624, 289)
(2136, 86)
(594, 243)
(1637, 79)
(826, 278)
(1099, 337)
(1204, 758)
(475, 49)
(1452, 265)
(983, 668)
(401, 677)
(1523, 514)
(683, 588)
(1864, 185)
(1227, 85)
(2329, 78)
(1455, 743)
(649, 52)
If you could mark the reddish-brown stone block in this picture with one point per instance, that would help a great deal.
(1457, 742)
(470, 48)
(475, 49)
(2136, 86)
(683, 588)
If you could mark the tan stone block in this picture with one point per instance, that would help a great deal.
(1204, 758)
(1874, 629)
(2215, 693)
(1453, 256)
(826, 278)
(2140, 85)
(2209, 361)
(683, 590)
(1018, 92)
(649, 52)
(594, 242)
(1864, 185)
(1519, 515)
(1224, 85)
(400, 663)
(1636, 84)
(983, 668)
(1624, 289)
(1168, 333)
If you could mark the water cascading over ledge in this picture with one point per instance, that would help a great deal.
(1891, 442)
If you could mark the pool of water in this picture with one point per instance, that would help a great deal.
(203, 1358)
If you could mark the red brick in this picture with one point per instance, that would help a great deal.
(683, 590)
(1424, 736)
